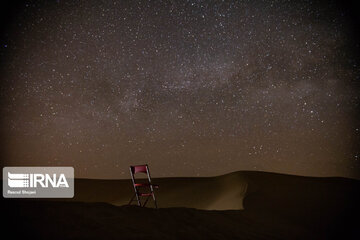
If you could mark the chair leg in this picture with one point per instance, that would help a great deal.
(155, 200)
(137, 199)
(132, 199)
(153, 196)
(147, 199)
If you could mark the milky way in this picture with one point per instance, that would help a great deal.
(194, 88)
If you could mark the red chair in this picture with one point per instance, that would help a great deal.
(139, 187)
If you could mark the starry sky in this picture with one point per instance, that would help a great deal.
(193, 88)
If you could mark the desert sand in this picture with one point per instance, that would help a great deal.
(239, 205)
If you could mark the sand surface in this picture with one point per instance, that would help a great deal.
(240, 205)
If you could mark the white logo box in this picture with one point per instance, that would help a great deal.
(38, 182)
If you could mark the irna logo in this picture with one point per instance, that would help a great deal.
(19, 180)
(38, 182)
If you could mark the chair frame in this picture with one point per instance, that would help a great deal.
(137, 194)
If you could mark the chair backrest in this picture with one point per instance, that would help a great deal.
(139, 169)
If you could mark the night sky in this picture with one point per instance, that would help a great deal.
(193, 88)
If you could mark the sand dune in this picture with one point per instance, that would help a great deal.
(264, 206)
(227, 192)
(213, 193)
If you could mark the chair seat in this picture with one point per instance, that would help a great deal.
(146, 185)
(145, 194)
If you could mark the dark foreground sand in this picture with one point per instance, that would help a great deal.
(264, 206)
